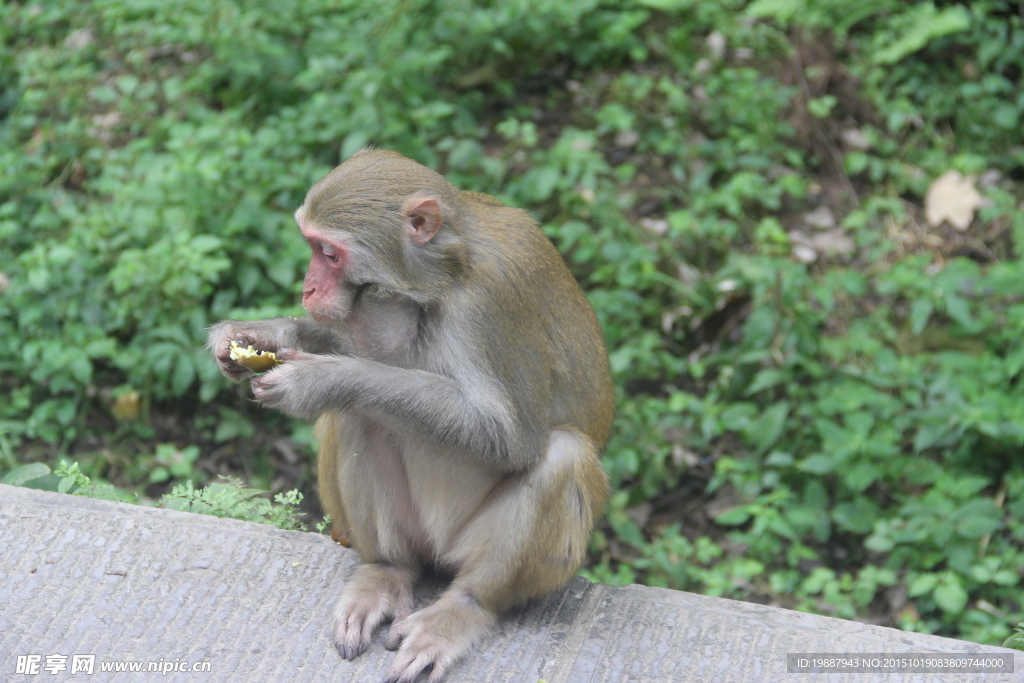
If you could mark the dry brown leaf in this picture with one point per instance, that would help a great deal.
(821, 218)
(658, 226)
(953, 198)
(835, 242)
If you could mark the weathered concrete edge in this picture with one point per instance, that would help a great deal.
(795, 619)
(806, 620)
(594, 594)
(37, 497)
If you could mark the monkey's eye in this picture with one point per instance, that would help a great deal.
(329, 251)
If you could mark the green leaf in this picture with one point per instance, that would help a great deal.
(977, 518)
(1016, 639)
(282, 272)
(184, 375)
(920, 26)
(767, 430)
(81, 368)
(667, 5)
(879, 543)
(23, 473)
(819, 463)
(857, 517)
(1007, 116)
(205, 243)
(855, 162)
(928, 435)
(779, 10)
(958, 308)
(821, 107)
(354, 142)
(920, 313)
(950, 596)
(922, 584)
(861, 476)
(232, 425)
(626, 529)
(734, 516)
(769, 377)
(621, 358)
(964, 486)
(816, 495)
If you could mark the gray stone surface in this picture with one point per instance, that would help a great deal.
(128, 583)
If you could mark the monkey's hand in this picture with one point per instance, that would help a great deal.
(259, 335)
(294, 386)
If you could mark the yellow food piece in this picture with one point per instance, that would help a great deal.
(253, 359)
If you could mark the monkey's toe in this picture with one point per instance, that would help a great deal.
(399, 630)
(394, 639)
(407, 668)
(350, 652)
(352, 637)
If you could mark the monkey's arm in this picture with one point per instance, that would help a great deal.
(270, 335)
(472, 414)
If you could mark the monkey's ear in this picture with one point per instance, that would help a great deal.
(422, 217)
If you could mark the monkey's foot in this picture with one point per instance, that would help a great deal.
(436, 637)
(374, 594)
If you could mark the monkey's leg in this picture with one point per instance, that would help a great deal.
(528, 539)
(353, 489)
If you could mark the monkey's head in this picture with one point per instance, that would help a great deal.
(379, 219)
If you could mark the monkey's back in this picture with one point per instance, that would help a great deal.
(549, 321)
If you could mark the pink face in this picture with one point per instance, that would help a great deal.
(321, 289)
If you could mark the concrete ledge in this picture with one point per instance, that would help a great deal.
(129, 583)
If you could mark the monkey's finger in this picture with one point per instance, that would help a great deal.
(235, 373)
(272, 393)
(260, 386)
(244, 339)
(292, 354)
(228, 367)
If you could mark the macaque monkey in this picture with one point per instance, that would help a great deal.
(461, 391)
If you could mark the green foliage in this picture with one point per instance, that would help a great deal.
(173, 462)
(823, 431)
(229, 498)
(324, 525)
(22, 474)
(70, 479)
(225, 498)
(1016, 640)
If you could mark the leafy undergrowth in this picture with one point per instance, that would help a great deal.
(818, 361)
